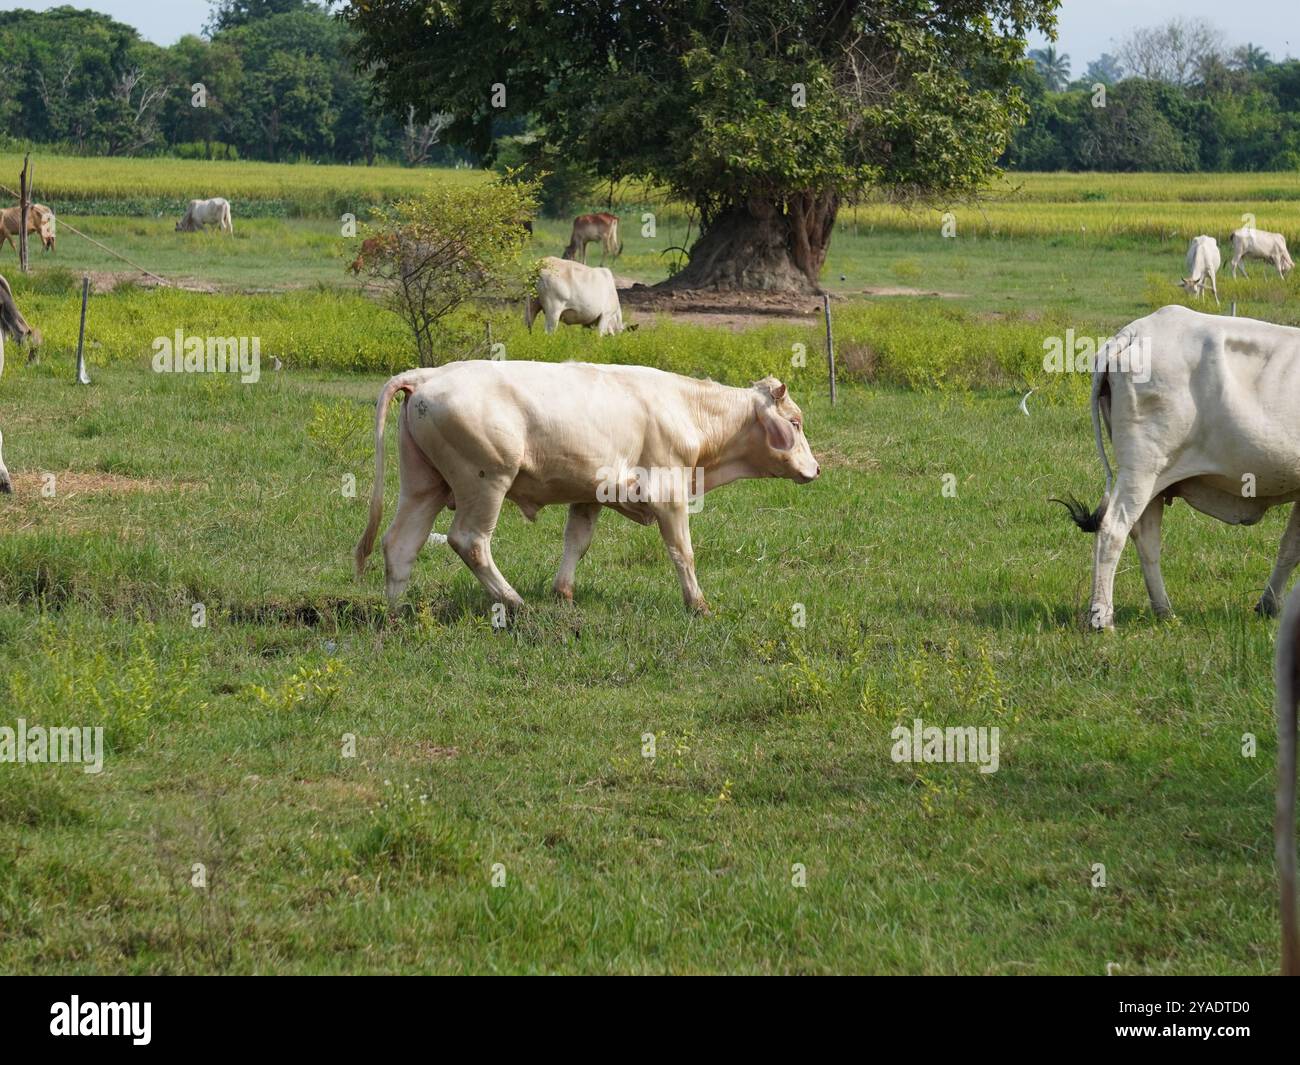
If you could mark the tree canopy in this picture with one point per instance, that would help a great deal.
(763, 114)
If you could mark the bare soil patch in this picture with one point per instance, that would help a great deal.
(69, 483)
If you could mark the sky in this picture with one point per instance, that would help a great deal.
(1087, 27)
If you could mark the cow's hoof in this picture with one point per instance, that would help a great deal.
(1266, 607)
(700, 608)
(563, 591)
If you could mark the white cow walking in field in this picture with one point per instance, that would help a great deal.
(1203, 262)
(200, 213)
(575, 294)
(1216, 422)
(1260, 244)
(636, 440)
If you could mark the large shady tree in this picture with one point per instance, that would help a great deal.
(766, 115)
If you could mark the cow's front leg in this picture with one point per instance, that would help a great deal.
(675, 528)
(578, 531)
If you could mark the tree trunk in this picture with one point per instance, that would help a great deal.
(763, 245)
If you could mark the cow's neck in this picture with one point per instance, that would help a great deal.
(729, 430)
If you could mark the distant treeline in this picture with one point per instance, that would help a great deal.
(277, 83)
(1226, 119)
(275, 80)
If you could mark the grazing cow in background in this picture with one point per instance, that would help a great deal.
(575, 294)
(1203, 262)
(40, 219)
(1286, 675)
(588, 227)
(1215, 422)
(6, 482)
(200, 213)
(1259, 244)
(12, 322)
(637, 440)
(370, 249)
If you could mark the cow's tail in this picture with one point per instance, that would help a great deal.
(617, 240)
(406, 382)
(1090, 521)
(532, 307)
(1288, 689)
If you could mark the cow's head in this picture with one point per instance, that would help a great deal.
(1191, 286)
(786, 450)
(6, 485)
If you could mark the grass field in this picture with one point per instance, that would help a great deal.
(360, 793)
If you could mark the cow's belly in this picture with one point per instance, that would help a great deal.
(1210, 496)
(579, 316)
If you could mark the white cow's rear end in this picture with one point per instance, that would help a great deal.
(1214, 420)
(575, 294)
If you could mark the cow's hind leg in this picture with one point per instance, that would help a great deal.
(422, 494)
(470, 537)
(578, 531)
(1146, 538)
(1128, 501)
(1288, 555)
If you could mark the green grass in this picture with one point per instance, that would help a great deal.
(522, 749)
(773, 741)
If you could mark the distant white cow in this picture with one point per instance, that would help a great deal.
(1259, 244)
(1203, 262)
(6, 483)
(1287, 678)
(200, 213)
(1215, 421)
(575, 294)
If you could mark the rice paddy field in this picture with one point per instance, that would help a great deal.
(294, 781)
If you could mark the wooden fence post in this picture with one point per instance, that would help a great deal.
(24, 196)
(83, 378)
(830, 343)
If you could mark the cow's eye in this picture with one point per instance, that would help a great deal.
(797, 424)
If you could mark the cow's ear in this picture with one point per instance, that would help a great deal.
(772, 387)
(780, 433)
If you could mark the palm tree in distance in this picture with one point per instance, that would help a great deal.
(1053, 66)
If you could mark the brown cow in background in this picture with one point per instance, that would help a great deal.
(590, 227)
(40, 219)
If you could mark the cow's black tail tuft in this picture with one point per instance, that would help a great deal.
(1088, 521)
